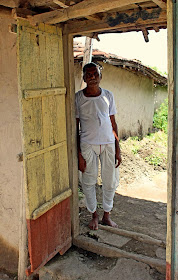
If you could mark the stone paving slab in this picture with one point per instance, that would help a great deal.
(76, 266)
(112, 239)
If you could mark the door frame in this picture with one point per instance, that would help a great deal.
(172, 183)
(71, 130)
(172, 186)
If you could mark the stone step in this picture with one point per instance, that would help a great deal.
(78, 264)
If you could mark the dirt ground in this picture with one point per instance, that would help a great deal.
(140, 179)
(139, 203)
(140, 199)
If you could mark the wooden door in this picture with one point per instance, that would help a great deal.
(43, 120)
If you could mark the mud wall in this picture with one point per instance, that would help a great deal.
(160, 93)
(134, 97)
(10, 146)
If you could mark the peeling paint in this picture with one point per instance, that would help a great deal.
(168, 271)
(126, 18)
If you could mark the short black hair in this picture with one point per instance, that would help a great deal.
(90, 65)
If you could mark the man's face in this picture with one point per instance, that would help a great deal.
(92, 76)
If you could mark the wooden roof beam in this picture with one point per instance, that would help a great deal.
(22, 12)
(9, 3)
(94, 17)
(5, 12)
(156, 29)
(82, 9)
(108, 24)
(160, 3)
(145, 34)
(61, 4)
(95, 36)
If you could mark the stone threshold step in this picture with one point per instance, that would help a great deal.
(106, 250)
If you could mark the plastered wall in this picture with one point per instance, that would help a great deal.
(161, 93)
(134, 98)
(10, 146)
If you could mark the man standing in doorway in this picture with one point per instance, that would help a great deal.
(95, 110)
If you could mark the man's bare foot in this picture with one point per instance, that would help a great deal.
(94, 222)
(106, 220)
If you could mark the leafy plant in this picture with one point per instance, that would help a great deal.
(153, 160)
(160, 118)
(158, 71)
(136, 138)
(135, 150)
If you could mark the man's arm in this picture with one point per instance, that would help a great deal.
(81, 160)
(115, 130)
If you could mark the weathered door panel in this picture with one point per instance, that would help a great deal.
(42, 103)
(49, 234)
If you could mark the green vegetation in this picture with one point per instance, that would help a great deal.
(152, 148)
(158, 137)
(160, 118)
(133, 143)
(154, 160)
(158, 71)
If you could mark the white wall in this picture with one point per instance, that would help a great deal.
(134, 98)
(161, 93)
(10, 146)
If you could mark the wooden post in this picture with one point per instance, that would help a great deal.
(87, 56)
(71, 129)
(175, 145)
(172, 206)
(23, 243)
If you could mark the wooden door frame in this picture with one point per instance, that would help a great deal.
(172, 262)
(172, 204)
(71, 130)
(172, 185)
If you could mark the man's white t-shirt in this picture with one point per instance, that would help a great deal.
(94, 114)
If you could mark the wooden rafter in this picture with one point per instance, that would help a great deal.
(107, 25)
(95, 36)
(9, 3)
(5, 12)
(61, 3)
(82, 9)
(94, 17)
(38, 3)
(21, 12)
(160, 3)
(145, 34)
(156, 29)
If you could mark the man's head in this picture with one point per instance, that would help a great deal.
(92, 74)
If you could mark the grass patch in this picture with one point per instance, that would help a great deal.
(154, 160)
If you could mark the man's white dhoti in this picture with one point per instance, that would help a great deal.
(109, 174)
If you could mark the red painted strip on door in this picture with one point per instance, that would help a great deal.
(49, 234)
(168, 271)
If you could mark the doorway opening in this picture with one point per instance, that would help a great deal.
(140, 199)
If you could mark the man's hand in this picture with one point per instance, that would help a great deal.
(118, 157)
(81, 163)
(115, 131)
